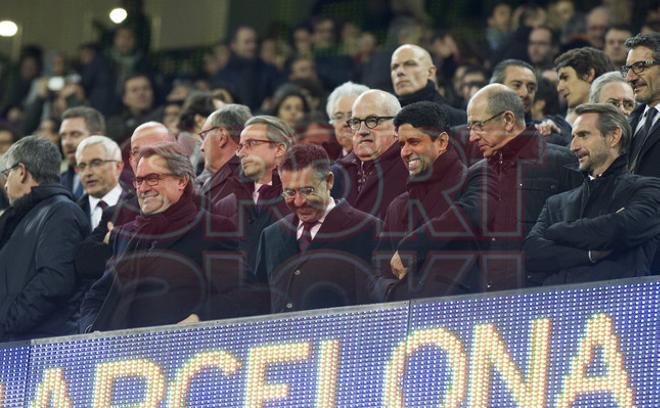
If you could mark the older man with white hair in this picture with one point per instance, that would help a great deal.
(612, 88)
(99, 165)
(339, 109)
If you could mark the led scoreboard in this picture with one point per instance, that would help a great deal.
(577, 346)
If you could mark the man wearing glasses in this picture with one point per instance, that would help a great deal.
(527, 170)
(373, 174)
(99, 165)
(39, 234)
(319, 256)
(642, 71)
(612, 88)
(254, 199)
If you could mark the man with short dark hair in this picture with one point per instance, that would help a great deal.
(542, 47)
(373, 174)
(39, 234)
(318, 256)
(77, 124)
(615, 39)
(413, 80)
(220, 135)
(608, 227)
(577, 69)
(642, 71)
(138, 101)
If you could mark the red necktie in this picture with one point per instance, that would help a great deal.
(306, 237)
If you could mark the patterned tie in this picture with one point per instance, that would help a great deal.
(306, 238)
(102, 205)
(641, 137)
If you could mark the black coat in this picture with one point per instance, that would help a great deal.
(334, 270)
(39, 237)
(218, 186)
(430, 93)
(648, 163)
(386, 181)
(163, 281)
(618, 212)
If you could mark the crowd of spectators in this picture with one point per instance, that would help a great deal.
(337, 164)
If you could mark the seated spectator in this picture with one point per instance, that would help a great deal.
(290, 105)
(612, 88)
(372, 175)
(157, 262)
(138, 101)
(615, 39)
(198, 107)
(546, 102)
(318, 256)
(314, 129)
(338, 108)
(543, 47)
(49, 128)
(39, 234)
(413, 78)
(473, 79)
(597, 21)
(607, 228)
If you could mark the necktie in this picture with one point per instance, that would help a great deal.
(102, 205)
(306, 237)
(641, 137)
(363, 173)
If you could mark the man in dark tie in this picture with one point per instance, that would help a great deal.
(320, 255)
(99, 165)
(642, 71)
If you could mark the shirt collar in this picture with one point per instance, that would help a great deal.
(111, 198)
(331, 204)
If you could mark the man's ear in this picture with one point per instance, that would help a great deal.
(591, 75)
(183, 182)
(615, 137)
(442, 141)
(330, 179)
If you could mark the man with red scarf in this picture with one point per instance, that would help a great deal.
(158, 259)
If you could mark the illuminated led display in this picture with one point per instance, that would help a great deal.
(578, 347)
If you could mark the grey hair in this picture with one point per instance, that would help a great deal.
(40, 157)
(609, 119)
(231, 117)
(175, 158)
(501, 100)
(601, 81)
(112, 150)
(277, 130)
(346, 89)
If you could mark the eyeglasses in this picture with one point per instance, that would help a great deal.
(203, 133)
(94, 164)
(479, 124)
(6, 171)
(370, 122)
(638, 67)
(151, 179)
(250, 143)
(627, 104)
(290, 193)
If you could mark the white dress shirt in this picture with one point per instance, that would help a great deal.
(317, 226)
(95, 212)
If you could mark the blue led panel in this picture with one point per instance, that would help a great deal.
(14, 360)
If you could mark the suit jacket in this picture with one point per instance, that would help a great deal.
(66, 179)
(216, 188)
(383, 184)
(649, 157)
(334, 270)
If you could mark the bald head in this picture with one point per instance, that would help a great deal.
(148, 133)
(496, 98)
(411, 68)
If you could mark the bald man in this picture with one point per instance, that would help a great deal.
(361, 176)
(414, 80)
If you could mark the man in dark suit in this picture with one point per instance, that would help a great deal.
(642, 71)
(373, 173)
(608, 227)
(320, 255)
(220, 138)
(77, 124)
(99, 165)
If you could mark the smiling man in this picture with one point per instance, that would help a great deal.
(320, 254)
(642, 71)
(373, 174)
(608, 227)
(99, 165)
(413, 79)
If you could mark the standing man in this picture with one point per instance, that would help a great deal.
(99, 165)
(254, 200)
(318, 256)
(77, 124)
(39, 234)
(339, 105)
(642, 71)
(607, 228)
(577, 69)
(373, 174)
(413, 79)
(220, 138)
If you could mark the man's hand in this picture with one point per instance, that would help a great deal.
(398, 269)
(595, 256)
(106, 239)
(193, 318)
(547, 127)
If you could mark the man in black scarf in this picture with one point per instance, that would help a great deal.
(39, 234)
